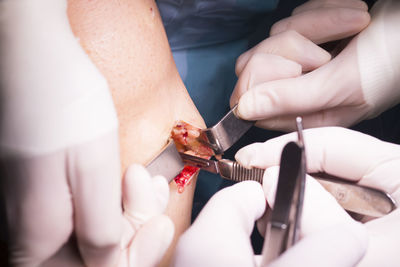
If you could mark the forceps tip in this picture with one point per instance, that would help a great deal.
(299, 127)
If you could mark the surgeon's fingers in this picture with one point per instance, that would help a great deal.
(382, 231)
(340, 116)
(223, 227)
(290, 45)
(263, 68)
(151, 242)
(337, 151)
(320, 209)
(315, 4)
(319, 143)
(143, 196)
(38, 208)
(334, 84)
(325, 24)
(282, 56)
(338, 245)
(146, 229)
(94, 170)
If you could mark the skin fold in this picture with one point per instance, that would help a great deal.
(126, 41)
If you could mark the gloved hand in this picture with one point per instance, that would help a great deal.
(220, 236)
(290, 49)
(325, 21)
(59, 146)
(145, 234)
(359, 83)
(352, 156)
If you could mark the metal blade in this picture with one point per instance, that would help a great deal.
(226, 132)
(168, 163)
(204, 164)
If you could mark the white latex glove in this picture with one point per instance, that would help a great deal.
(290, 49)
(220, 236)
(59, 146)
(145, 233)
(359, 83)
(353, 156)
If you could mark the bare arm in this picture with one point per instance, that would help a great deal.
(126, 41)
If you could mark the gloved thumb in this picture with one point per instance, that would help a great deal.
(339, 245)
(222, 229)
(320, 209)
(319, 96)
(143, 196)
(147, 233)
(150, 243)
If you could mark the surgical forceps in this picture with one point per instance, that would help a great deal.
(360, 200)
(284, 222)
(357, 199)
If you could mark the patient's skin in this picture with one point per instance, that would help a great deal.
(126, 40)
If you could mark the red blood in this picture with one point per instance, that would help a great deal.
(183, 178)
(188, 144)
(185, 135)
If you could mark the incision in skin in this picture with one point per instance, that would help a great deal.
(186, 140)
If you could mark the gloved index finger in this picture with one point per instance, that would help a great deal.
(95, 182)
(290, 45)
(220, 236)
(328, 24)
(309, 5)
(348, 241)
(337, 151)
(320, 209)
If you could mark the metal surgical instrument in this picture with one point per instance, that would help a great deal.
(284, 221)
(351, 196)
(226, 132)
(219, 138)
(168, 163)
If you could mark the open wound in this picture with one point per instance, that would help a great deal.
(186, 140)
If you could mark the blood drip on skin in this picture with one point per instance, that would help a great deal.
(186, 138)
(183, 179)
